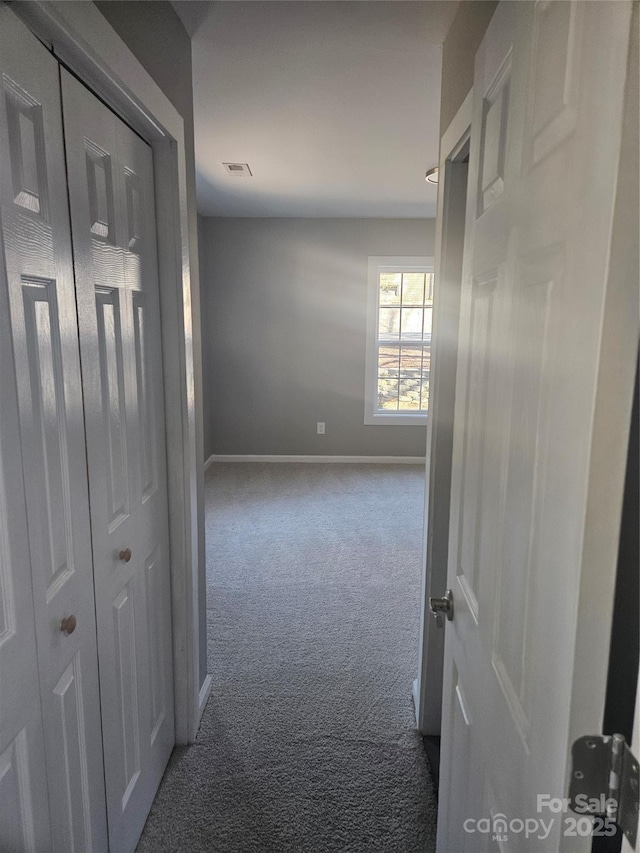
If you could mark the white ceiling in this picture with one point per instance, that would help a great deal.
(334, 105)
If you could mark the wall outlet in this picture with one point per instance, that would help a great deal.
(320, 427)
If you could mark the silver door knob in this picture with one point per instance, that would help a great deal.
(441, 606)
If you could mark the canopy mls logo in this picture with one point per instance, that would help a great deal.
(499, 827)
(586, 823)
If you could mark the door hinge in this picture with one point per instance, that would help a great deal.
(604, 781)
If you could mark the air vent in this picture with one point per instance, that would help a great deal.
(237, 169)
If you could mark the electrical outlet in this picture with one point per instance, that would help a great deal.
(320, 427)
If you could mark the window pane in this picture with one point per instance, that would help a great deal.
(390, 284)
(428, 319)
(413, 288)
(424, 397)
(425, 378)
(428, 296)
(410, 394)
(388, 394)
(412, 324)
(411, 362)
(388, 361)
(389, 324)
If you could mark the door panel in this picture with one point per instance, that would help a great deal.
(113, 403)
(542, 332)
(24, 814)
(40, 352)
(126, 655)
(147, 438)
(113, 226)
(74, 794)
(21, 827)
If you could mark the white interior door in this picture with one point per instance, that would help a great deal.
(113, 226)
(548, 335)
(44, 364)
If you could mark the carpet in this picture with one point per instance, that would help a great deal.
(308, 742)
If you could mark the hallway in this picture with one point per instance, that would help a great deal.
(308, 742)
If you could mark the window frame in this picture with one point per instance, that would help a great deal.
(376, 265)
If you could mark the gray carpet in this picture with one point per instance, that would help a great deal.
(308, 741)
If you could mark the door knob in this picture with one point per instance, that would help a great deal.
(439, 606)
(125, 555)
(68, 624)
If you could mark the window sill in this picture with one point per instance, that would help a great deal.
(395, 419)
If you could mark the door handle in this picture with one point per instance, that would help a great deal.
(68, 624)
(439, 606)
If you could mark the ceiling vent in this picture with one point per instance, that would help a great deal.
(237, 169)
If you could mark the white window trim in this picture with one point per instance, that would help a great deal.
(378, 264)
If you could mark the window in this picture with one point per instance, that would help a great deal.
(399, 312)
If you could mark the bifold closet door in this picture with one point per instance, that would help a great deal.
(24, 813)
(111, 195)
(50, 736)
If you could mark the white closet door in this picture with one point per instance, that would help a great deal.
(24, 815)
(39, 288)
(113, 226)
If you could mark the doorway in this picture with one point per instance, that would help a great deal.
(454, 167)
(63, 729)
(79, 36)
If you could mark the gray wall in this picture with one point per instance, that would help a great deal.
(155, 34)
(458, 55)
(284, 309)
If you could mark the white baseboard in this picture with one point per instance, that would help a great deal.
(381, 460)
(203, 696)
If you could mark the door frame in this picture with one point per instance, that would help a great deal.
(80, 37)
(427, 688)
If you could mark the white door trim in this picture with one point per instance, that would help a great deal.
(81, 37)
(427, 688)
